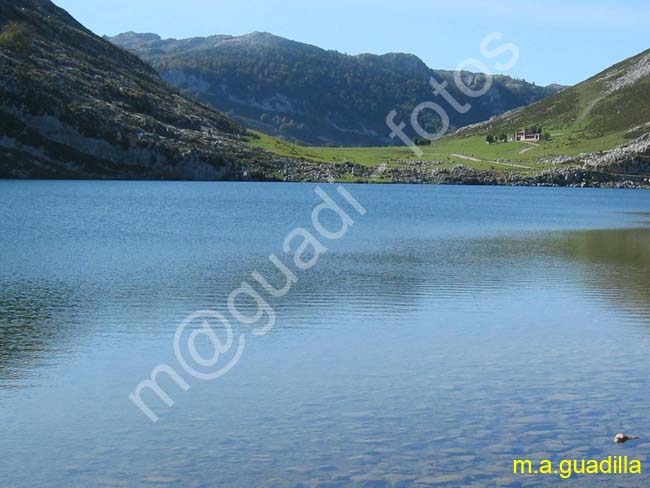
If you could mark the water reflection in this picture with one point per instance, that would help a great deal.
(35, 323)
(36, 317)
(614, 263)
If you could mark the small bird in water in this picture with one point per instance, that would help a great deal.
(622, 438)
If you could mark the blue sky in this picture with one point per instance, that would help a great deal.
(559, 41)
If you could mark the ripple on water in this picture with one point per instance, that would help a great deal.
(427, 351)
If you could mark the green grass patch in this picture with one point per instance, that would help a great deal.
(448, 152)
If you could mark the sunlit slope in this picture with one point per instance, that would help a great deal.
(602, 112)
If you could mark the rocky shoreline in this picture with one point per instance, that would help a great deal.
(627, 166)
(426, 172)
(295, 171)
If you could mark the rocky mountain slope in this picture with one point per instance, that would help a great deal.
(74, 105)
(303, 93)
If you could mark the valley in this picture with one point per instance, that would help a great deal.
(75, 105)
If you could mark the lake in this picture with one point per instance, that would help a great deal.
(448, 332)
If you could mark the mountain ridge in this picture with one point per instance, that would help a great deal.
(308, 94)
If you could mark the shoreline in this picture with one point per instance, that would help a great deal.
(479, 180)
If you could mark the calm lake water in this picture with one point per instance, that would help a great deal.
(451, 330)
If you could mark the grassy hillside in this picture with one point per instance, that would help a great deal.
(602, 113)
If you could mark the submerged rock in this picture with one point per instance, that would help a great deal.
(622, 438)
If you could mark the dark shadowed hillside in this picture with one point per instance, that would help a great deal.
(308, 94)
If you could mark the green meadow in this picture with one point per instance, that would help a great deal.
(471, 151)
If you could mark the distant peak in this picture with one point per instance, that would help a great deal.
(262, 38)
(401, 56)
(145, 36)
(261, 35)
(407, 64)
